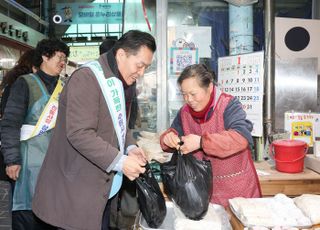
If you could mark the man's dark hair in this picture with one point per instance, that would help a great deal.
(106, 45)
(48, 47)
(133, 40)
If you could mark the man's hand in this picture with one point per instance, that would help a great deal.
(139, 153)
(13, 171)
(134, 163)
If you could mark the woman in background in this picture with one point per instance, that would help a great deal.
(213, 125)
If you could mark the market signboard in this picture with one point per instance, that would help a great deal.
(88, 13)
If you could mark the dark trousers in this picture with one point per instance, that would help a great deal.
(106, 216)
(26, 220)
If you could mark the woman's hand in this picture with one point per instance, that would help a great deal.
(191, 143)
(172, 140)
(13, 171)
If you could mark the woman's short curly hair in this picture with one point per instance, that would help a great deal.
(48, 47)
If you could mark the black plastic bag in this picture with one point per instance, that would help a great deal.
(188, 182)
(150, 199)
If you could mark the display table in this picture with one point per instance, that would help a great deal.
(275, 182)
(290, 184)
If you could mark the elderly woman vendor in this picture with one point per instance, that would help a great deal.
(213, 125)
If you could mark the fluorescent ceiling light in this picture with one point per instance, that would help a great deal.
(241, 2)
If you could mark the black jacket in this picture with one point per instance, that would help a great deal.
(130, 92)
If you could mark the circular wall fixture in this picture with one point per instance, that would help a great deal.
(297, 38)
(57, 19)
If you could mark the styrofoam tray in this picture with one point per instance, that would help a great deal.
(266, 202)
(167, 222)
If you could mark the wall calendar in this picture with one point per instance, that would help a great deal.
(242, 77)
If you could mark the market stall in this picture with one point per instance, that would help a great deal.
(279, 191)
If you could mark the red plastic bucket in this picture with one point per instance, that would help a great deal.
(289, 155)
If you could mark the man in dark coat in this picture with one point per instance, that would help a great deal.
(85, 154)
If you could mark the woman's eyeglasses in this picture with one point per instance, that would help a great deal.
(62, 59)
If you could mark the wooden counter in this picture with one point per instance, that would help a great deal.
(290, 184)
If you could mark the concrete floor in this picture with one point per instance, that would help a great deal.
(5, 213)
